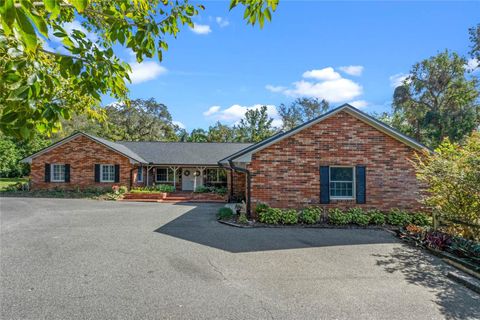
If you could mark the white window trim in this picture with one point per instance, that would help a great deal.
(138, 170)
(101, 172)
(156, 175)
(52, 175)
(354, 183)
(218, 175)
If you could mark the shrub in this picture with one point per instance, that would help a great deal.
(164, 188)
(465, 248)
(437, 240)
(122, 189)
(398, 217)
(420, 219)
(310, 215)
(242, 218)
(359, 217)
(376, 217)
(261, 207)
(270, 216)
(451, 177)
(225, 213)
(289, 216)
(338, 217)
(202, 189)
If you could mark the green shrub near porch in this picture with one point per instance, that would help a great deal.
(153, 189)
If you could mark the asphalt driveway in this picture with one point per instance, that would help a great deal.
(85, 259)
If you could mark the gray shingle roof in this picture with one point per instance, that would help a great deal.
(118, 147)
(182, 153)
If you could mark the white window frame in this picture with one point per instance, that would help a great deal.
(140, 169)
(354, 183)
(163, 168)
(52, 170)
(217, 175)
(102, 166)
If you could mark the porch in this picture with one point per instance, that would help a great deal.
(174, 197)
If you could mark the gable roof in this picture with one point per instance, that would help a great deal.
(245, 154)
(183, 153)
(109, 144)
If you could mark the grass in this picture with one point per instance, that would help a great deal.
(5, 182)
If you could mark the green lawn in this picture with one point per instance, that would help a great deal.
(5, 182)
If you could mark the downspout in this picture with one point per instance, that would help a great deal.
(249, 184)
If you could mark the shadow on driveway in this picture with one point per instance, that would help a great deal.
(199, 225)
(421, 268)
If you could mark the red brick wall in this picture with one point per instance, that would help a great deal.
(239, 184)
(287, 173)
(82, 154)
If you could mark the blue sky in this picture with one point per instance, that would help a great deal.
(225, 66)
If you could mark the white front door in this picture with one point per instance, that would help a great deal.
(189, 180)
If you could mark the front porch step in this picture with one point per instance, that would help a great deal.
(174, 197)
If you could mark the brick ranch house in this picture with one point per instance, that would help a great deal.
(343, 158)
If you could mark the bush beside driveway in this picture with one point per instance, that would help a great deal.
(88, 259)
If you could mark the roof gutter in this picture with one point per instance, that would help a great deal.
(249, 184)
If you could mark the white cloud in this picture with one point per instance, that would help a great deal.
(397, 79)
(236, 112)
(272, 88)
(352, 70)
(359, 103)
(322, 74)
(201, 29)
(326, 84)
(473, 64)
(145, 71)
(179, 124)
(222, 22)
(211, 110)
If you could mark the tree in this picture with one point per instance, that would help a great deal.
(452, 179)
(198, 135)
(220, 133)
(301, 110)
(475, 39)
(40, 86)
(437, 100)
(13, 150)
(255, 127)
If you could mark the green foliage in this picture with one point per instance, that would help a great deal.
(242, 218)
(465, 248)
(261, 207)
(452, 177)
(475, 39)
(255, 127)
(301, 110)
(421, 219)
(220, 133)
(359, 217)
(225, 213)
(153, 189)
(338, 217)
(13, 150)
(218, 190)
(122, 189)
(270, 216)
(39, 87)
(437, 100)
(398, 217)
(310, 215)
(376, 217)
(289, 216)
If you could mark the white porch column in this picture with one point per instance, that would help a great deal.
(174, 169)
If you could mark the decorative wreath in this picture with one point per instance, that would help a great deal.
(186, 173)
(196, 173)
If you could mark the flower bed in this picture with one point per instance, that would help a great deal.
(159, 188)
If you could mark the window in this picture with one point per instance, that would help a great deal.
(57, 173)
(342, 182)
(216, 175)
(107, 173)
(140, 174)
(164, 175)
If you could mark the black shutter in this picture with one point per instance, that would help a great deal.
(361, 184)
(324, 184)
(67, 173)
(97, 173)
(47, 172)
(117, 173)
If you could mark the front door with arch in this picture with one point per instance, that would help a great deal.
(190, 180)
